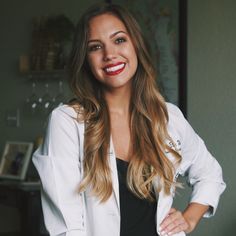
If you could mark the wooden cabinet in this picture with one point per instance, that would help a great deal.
(25, 197)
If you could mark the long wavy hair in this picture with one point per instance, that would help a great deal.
(148, 114)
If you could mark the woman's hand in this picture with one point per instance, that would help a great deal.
(186, 221)
(174, 223)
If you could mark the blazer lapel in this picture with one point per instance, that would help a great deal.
(114, 174)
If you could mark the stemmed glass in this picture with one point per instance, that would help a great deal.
(46, 100)
(59, 98)
(45, 103)
(32, 100)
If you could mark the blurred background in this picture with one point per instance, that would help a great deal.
(34, 46)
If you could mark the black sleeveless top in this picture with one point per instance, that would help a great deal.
(137, 215)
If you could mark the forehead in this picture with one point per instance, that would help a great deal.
(105, 24)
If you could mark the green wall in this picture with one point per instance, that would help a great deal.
(211, 96)
(16, 18)
(211, 88)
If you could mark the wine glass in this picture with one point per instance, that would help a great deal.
(46, 100)
(59, 98)
(32, 100)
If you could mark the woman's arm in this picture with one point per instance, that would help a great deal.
(203, 173)
(186, 221)
(193, 214)
(57, 162)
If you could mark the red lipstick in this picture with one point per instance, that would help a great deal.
(114, 69)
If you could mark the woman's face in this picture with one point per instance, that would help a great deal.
(111, 53)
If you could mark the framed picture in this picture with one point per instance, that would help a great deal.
(15, 160)
(164, 23)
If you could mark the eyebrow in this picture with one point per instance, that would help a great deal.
(111, 36)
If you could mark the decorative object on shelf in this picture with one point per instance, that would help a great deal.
(15, 160)
(24, 64)
(50, 39)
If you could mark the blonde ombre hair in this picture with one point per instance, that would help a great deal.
(147, 110)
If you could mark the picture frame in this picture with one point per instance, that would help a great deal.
(164, 24)
(15, 160)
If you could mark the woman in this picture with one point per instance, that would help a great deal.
(110, 158)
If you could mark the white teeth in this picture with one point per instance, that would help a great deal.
(114, 68)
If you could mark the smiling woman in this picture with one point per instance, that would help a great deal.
(111, 53)
(111, 156)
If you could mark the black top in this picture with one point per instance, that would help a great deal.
(137, 215)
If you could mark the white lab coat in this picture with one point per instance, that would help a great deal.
(59, 163)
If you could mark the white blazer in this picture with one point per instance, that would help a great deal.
(59, 164)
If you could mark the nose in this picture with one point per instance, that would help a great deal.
(109, 53)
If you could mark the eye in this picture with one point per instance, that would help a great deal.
(120, 40)
(94, 47)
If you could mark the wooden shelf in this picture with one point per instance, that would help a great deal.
(50, 74)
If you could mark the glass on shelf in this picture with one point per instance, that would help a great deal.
(59, 98)
(43, 101)
(46, 100)
(32, 102)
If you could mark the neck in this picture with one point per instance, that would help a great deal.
(118, 102)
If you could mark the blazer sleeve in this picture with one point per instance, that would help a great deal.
(204, 174)
(58, 164)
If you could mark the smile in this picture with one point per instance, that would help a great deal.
(114, 69)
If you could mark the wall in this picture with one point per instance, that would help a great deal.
(15, 39)
(15, 25)
(211, 96)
